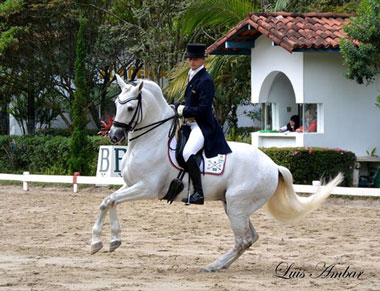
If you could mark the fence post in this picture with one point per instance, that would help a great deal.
(25, 182)
(75, 186)
(316, 183)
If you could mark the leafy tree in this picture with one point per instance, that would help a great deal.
(7, 34)
(21, 107)
(80, 153)
(23, 76)
(361, 51)
(346, 6)
(232, 80)
(40, 42)
(13, 72)
(153, 36)
(105, 49)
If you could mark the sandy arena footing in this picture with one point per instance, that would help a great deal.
(45, 239)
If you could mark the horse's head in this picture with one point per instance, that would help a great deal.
(128, 110)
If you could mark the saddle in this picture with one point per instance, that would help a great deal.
(176, 186)
(182, 135)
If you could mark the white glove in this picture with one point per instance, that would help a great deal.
(180, 110)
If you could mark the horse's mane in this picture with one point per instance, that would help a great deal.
(154, 89)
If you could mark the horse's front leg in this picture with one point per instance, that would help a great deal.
(96, 243)
(138, 191)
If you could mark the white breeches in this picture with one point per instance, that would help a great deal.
(195, 142)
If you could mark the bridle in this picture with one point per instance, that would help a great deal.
(137, 117)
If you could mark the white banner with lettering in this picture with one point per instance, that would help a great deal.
(109, 161)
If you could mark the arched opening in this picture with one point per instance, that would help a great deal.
(278, 100)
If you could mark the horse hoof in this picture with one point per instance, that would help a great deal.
(114, 245)
(208, 269)
(96, 247)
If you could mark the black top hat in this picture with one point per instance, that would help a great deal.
(195, 50)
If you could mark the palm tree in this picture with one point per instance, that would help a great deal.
(281, 5)
(215, 14)
(224, 13)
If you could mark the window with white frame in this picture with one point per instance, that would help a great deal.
(311, 117)
(267, 115)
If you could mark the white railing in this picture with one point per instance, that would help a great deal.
(75, 180)
(347, 191)
(91, 180)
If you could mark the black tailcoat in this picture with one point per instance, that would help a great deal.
(199, 96)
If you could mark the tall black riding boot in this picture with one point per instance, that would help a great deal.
(195, 175)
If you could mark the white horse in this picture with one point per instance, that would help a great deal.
(250, 180)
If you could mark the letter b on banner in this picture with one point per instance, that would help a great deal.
(109, 161)
(104, 154)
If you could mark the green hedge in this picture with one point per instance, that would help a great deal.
(61, 132)
(50, 154)
(41, 155)
(310, 164)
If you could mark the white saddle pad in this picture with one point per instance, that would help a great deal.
(213, 166)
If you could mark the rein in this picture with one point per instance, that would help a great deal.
(138, 115)
(155, 125)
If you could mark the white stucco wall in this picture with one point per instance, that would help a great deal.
(351, 119)
(266, 62)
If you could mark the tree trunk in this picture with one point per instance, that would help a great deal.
(4, 119)
(103, 98)
(94, 112)
(31, 118)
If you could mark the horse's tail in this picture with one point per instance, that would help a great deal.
(286, 206)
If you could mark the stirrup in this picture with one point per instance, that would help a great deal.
(195, 198)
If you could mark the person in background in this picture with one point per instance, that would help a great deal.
(292, 126)
(310, 122)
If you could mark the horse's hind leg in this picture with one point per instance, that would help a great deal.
(245, 236)
(254, 234)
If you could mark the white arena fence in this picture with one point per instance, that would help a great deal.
(74, 180)
(104, 181)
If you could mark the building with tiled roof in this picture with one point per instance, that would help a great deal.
(293, 31)
(297, 69)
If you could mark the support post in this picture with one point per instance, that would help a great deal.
(75, 185)
(316, 183)
(25, 182)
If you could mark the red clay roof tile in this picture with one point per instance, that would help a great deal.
(291, 30)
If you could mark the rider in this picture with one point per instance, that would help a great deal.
(197, 110)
